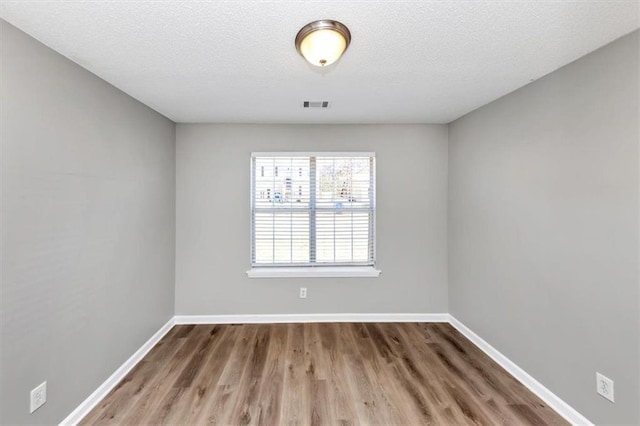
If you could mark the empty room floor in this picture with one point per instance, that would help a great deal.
(328, 373)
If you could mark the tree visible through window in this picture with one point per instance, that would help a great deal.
(312, 209)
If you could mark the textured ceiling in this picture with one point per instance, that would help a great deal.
(235, 61)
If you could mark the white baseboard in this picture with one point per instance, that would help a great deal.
(88, 404)
(291, 318)
(551, 399)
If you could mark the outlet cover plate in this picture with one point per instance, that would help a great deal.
(604, 387)
(303, 292)
(38, 396)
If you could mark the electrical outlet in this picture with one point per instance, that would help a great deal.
(303, 292)
(604, 386)
(38, 396)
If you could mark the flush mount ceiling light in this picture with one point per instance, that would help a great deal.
(322, 42)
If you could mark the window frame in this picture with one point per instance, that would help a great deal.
(313, 270)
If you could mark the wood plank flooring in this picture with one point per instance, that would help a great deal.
(313, 374)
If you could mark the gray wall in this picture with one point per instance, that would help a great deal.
(543, 228)
(88, 213)
(212, 236)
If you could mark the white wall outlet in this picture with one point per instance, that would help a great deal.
(604, 386)
(38, 396)
(303, 292)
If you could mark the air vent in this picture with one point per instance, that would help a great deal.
(315, 104)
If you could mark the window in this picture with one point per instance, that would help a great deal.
(311, 210)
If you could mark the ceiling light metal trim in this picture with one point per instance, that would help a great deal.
(320, 25)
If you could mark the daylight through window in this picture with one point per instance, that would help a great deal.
(312, 209)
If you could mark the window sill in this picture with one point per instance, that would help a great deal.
(315, 272)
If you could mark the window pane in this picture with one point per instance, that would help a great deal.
(281, 182)
(343, 182)
(343, 237)
(281, 237)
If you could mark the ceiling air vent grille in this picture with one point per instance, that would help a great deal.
(315, 104)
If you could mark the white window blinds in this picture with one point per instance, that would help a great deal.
(312, 209)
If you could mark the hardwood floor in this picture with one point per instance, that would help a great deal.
(347, 374)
